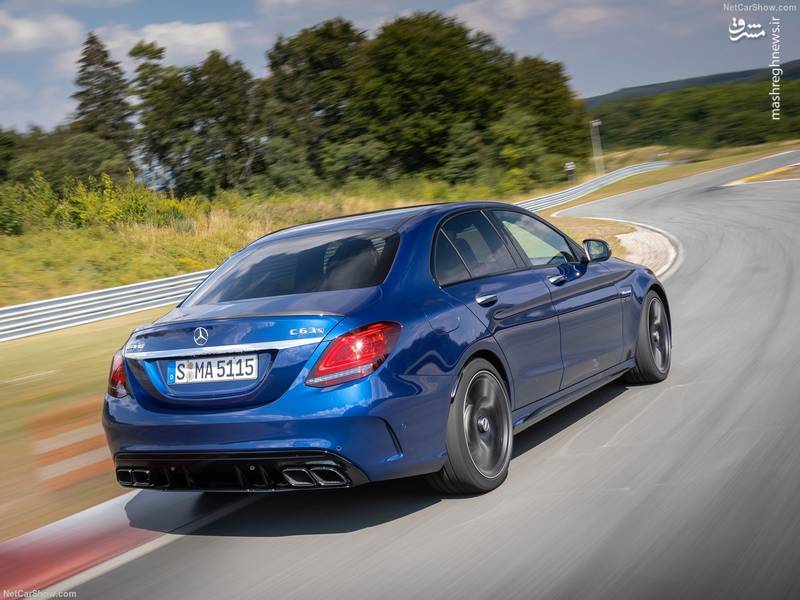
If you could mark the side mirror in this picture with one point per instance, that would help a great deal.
(597, 250)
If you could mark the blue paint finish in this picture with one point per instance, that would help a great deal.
(553, 343)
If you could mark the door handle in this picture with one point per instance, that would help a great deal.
(486, 300)
(557, 279)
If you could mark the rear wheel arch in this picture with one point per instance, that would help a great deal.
(659, 289)
(492, 358)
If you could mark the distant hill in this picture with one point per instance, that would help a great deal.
(791, 70)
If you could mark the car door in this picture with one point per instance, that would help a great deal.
(474, 263)
(584, 294)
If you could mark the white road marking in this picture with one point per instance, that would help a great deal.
(73, 463)
(30, 377)
(67, 438)
(737, 183)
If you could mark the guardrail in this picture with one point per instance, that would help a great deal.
(23, 320)
(595, 184)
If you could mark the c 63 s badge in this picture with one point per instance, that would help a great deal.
(307, 331)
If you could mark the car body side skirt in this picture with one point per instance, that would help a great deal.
(533, 413)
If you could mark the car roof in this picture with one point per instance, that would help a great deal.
(393, 219)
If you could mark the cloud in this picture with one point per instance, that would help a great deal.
(39, 5)
(93, 3)
(272, 6)
(503, 18)
(582, 18)
(11, 92)
(476, 15)
(20, 107)
(185, 43)
(293, 15)
(20, 34)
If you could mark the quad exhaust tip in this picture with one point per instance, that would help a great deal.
(314, 476)
(299, 477)
(296, 477)
(328, 476)
(135, 477)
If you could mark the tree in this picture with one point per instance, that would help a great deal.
(313, 78)
(195, 121)
(361, 157)
(286, 166)
(103, 109)
(519, 142)
(9, 142)
(63, 155)
(221, 91)
(420, 76)
(541, 88)
(164, 113)
(462, 155)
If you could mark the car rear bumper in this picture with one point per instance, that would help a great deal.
(236, 471)
(384, 437)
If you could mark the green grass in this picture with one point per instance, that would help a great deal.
(40, 374)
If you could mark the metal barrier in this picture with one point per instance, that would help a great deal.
(23, 320)
(583, 189)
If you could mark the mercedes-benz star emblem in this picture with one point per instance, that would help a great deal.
(200, 336)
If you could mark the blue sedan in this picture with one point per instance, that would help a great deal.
(405, 342)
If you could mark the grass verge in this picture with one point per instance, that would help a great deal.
(39, 375)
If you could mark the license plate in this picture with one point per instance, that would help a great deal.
(216, 368)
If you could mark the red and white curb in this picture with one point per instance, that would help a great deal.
(78, 548)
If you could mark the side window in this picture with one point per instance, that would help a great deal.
(447, 265)
(478, 244)
(540, 243)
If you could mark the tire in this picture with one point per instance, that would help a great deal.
(479, 436)
(654, 343)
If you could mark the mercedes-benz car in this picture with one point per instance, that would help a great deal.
(414, 341)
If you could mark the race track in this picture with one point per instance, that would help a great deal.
(689, 488)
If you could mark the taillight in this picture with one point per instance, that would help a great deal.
(354, 355)
(117, 380)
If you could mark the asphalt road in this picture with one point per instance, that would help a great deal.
(689, 488)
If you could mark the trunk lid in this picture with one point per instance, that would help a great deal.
(281, 332)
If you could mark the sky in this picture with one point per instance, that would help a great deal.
(604, 45)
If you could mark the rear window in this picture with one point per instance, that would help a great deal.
(338, 260)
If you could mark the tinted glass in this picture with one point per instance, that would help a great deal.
(540, 243)
(338, 260)
(478, 244)
(447, 265)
